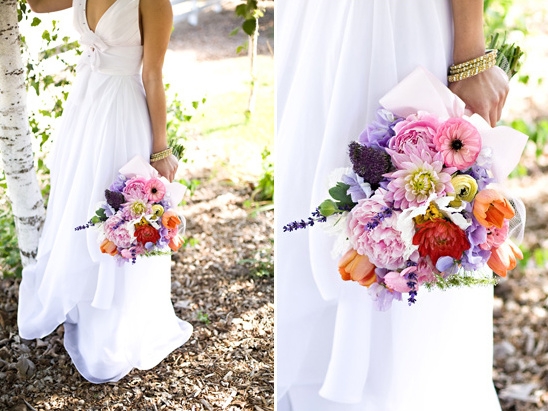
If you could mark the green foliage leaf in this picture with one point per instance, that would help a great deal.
(339, 193)
(35, 22)
(328, 207)
(241, 10)
(249, 26)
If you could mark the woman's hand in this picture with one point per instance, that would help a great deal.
(484, 93)
(167, 167)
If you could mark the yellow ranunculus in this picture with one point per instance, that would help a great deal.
(465, 187)
(157, 211)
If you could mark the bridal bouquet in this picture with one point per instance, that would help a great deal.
(418, 207)
(137, 217)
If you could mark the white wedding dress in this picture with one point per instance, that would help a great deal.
(334, 60)
(116, 318)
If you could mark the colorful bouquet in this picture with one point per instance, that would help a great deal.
(137, 216)
(418, 206)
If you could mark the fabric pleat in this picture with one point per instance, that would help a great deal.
(335, 60)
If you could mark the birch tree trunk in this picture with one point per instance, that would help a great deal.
(252, 51)
(15, 139)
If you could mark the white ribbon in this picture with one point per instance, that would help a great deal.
(421, 90)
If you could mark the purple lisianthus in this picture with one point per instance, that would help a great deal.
(481, 176)
(359, 189)
(474, 258)
(382, 297)
(447, 266)
(381, 130)
(119, 183)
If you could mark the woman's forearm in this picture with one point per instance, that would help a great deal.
(156, 100)
(48, 6)
(469, 41)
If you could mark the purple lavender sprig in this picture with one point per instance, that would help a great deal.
(296, 225)
(412, 284)
(83, 227)
(378, 218)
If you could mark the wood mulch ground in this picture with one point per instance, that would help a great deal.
(228, 362)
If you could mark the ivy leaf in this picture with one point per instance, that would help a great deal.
(249, 26)
(35, 22)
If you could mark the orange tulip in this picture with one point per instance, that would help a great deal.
(170, 219)
(504, 258)
(356, 267)
(176, 242)
(491, 208)
(108, 247)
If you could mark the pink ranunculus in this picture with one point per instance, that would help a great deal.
(135, 189)
(155, 190)
(496, 236)
(422, 126)
(459, 142)
(383, 244)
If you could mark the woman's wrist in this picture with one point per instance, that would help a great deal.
(469, 40)
(159, 144)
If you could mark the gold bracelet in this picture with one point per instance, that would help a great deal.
(478, 63)
(161, 155)
(472, 67)
(469, 73)
(489, 56)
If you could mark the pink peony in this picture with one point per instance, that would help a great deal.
(459, 142)
(420, 176)
(496, 236)
(422, 126)
(155, 190)
(135, 189)
(121, 237)
(116, 231)
(382, 244)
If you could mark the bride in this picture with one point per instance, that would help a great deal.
(335, 59)
(115, 318)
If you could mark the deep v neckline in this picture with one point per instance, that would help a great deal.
(100, 18)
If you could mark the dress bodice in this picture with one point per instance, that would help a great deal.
(115, 46)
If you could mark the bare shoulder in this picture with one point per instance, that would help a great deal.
(156, 11)
(48, 6)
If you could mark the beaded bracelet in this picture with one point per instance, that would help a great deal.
(161, 155)
(489, 55)
(472, 67)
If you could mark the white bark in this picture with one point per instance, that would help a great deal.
(252, 52)
(15, 139)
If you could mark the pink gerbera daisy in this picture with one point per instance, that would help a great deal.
(155, 190)
(459, 142)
